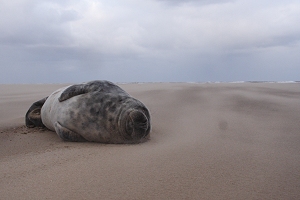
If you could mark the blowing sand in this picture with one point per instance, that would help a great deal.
(208, 141)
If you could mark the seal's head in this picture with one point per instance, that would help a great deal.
(135, 125)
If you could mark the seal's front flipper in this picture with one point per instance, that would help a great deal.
(33, 115)
(100, 86)
(72, 91)
(67, 134)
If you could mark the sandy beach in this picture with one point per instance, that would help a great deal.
(208, 141)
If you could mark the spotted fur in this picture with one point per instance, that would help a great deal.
(97, 111)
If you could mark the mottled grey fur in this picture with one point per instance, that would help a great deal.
(97, 111)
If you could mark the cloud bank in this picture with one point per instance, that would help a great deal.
(53, 41)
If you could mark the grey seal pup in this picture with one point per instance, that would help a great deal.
(96, 111)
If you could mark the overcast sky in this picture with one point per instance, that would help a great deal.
(59, 41)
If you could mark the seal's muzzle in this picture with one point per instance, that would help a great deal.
(137, 124)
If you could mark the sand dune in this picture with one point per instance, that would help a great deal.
(209, 141)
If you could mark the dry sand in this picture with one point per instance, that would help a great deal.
(209, 141)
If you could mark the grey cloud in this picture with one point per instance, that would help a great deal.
(282, 40)
(197, 2)
(39, 24)
(71, 41)
(69, 15)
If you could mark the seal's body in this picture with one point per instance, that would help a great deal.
(97, 111)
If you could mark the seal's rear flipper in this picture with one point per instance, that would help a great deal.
(33, 115)
(67, 134)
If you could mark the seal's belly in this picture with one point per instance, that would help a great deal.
(51, 108)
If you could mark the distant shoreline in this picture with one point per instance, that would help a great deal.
(189, 82)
